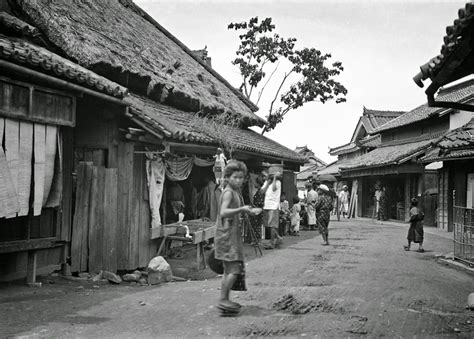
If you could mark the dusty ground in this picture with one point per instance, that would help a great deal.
(363, 285)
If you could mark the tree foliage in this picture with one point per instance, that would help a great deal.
(307, 78)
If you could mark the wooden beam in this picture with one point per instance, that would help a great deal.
(31, 267)
(27, 245)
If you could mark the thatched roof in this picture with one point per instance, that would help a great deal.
(117, 39)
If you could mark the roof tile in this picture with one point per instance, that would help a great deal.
(24, 53)
(459, 93)
(178, 125)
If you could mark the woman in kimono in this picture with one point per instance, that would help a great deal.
(324, 206)
(415, 232)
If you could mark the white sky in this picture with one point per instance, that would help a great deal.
(381, 45)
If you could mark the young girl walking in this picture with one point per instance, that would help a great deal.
(228, 239)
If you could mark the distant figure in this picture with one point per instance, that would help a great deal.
(258, 201)
(324, 206)
(284, 214)
(344, 201)
(295, 217)
(380, 202)
(219, 166)
(311, 198)
(415, 232)
(271, 210)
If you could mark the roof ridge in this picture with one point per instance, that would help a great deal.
(424, 137)
(371, 111)
(453, 88)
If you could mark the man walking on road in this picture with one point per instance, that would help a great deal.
(271, 209)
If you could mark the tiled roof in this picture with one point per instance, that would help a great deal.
(11, 23)
(458, 143)
(462, 92)
(343, 149)
(334, 168)
(389, 155)
(308, 172)
(309, 155)
(456, 35)
(178, 125)
(372, 119)
(371, 141)
(26, 54)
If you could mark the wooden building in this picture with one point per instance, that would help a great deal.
(453, 153)
(312, 163)
(394, 162)
(131, 92)
(40, 96)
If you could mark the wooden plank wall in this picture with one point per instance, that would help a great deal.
(112, 219)
(134, 215)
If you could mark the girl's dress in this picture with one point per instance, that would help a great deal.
(228, 239)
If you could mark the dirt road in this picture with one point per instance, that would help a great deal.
(363, 285)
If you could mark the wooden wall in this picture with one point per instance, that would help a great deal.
(428, 126)
(97, 137)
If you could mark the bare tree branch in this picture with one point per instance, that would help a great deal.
(278, 91)
(266, 83)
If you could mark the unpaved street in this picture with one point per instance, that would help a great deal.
(364, 284)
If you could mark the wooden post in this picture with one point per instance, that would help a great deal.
(31, 268)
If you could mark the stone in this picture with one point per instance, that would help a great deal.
(131, 277)
(97, 277)
(112, 277)
(83, 275)
(143, 282)
(159, 271)
(470, 301)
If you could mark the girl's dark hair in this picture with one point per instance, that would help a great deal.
(296, 200)
(234, 166)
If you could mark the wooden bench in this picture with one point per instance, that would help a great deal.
(199, 230)
(31, 246)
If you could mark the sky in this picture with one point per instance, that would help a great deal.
(381, 45)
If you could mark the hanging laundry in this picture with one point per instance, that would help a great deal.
(50, 155)
(156, 178)
(8, 198)
(55, 193)
(179, 169)
(12, 152)
(39, 167)
(26, 167)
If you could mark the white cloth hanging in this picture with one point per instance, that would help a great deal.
(156, 178)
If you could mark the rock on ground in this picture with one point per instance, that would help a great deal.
(159, 271)
(112, 277)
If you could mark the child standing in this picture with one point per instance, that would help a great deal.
(295, 216)
(228, 239)
(284, 215)
(219, 166)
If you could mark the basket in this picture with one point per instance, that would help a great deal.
(275, 169)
